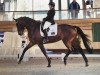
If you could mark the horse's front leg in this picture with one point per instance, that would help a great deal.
(26, 48)
(44, 52)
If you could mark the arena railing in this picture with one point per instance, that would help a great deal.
(39, 15)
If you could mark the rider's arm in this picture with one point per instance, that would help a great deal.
(50, 15)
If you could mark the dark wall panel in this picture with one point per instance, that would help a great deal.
(96, 32)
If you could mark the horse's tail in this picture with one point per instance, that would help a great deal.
(86, 41)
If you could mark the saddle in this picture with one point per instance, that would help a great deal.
(51, 29)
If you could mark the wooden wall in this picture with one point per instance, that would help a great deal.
(8, 26)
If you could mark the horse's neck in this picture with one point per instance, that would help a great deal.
(32, 28)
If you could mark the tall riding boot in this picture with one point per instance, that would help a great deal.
(45, 36)
(42, 25)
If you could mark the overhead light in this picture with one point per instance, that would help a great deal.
(1, 1)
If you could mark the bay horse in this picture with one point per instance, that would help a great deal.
(67, 33)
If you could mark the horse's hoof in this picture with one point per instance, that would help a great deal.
(86, 65)
(49, 66)
(65, 62)
(19, 62)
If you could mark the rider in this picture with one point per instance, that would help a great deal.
(49, 18)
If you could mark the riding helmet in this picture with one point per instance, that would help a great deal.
(52, 4)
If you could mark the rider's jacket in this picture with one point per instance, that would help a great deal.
(50, 16)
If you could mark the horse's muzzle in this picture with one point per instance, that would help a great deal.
(20, 33)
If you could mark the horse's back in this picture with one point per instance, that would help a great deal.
(66, 27)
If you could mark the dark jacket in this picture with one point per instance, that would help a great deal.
(74, 6)
(50, 16)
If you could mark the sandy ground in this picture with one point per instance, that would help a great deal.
(37, 66)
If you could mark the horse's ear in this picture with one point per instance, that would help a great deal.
(15, 19)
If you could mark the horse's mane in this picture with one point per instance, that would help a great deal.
(28, 20)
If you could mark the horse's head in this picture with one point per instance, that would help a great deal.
(20, 26)
(23, 23)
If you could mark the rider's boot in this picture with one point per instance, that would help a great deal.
(45, 36)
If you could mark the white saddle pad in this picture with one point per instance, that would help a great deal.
(52, 30)
(46, 25)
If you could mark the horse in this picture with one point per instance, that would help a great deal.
(67, 33)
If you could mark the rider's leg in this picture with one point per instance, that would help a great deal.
(45, 35)
(42, 25)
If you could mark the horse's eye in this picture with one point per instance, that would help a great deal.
(17, 23)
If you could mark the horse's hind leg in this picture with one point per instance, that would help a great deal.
(78, 48)
(44, 52)
(84, 57)
(68, 45)
(66, 56)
